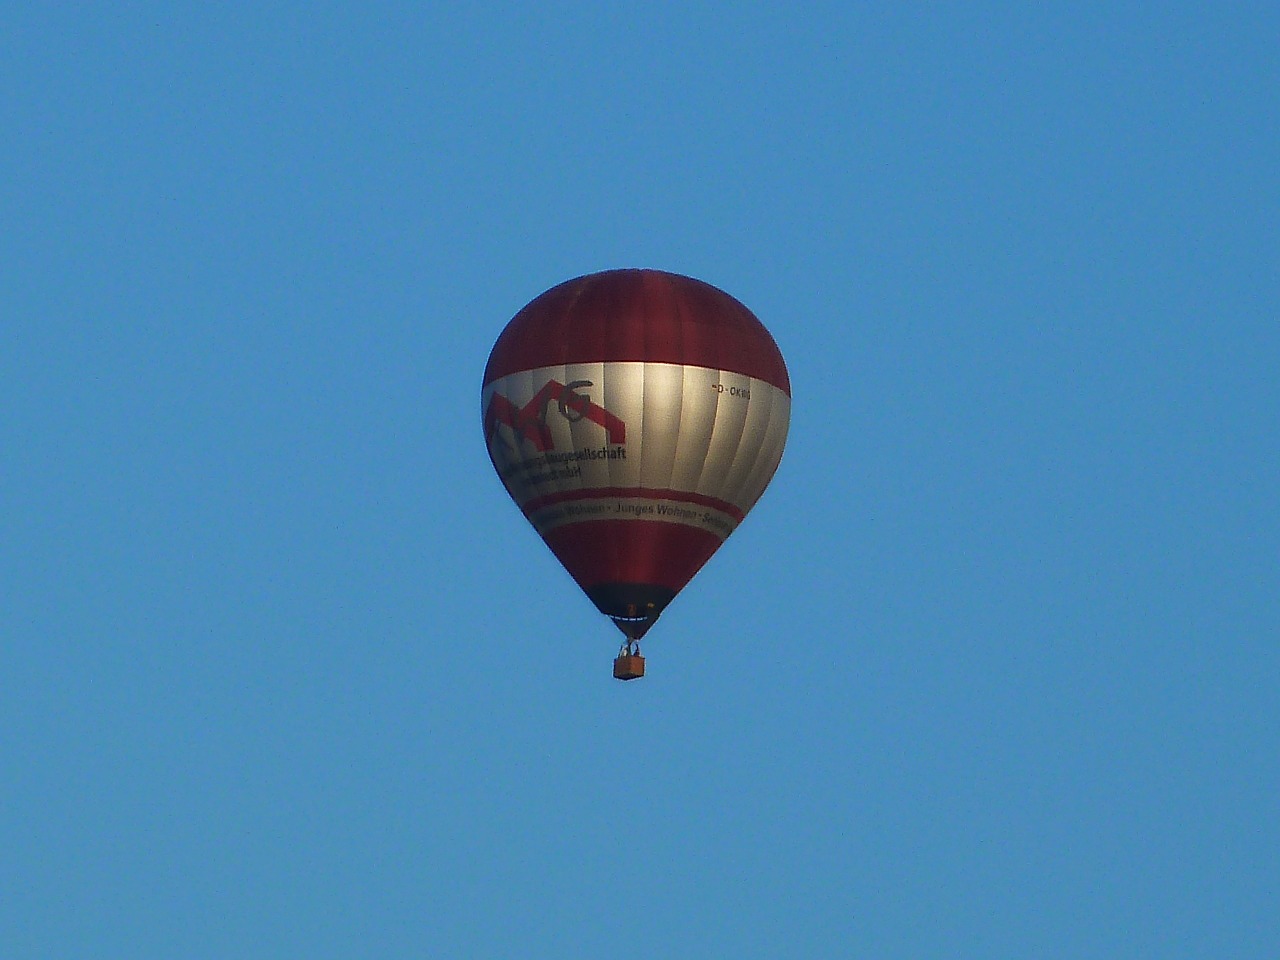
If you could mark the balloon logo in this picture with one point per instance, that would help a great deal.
(635, 417)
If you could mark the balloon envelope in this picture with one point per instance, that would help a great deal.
(635, 416)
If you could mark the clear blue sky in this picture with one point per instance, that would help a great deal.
(990, 672)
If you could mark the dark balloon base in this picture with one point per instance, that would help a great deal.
(632, 606)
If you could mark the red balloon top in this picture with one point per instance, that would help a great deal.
(638, 315)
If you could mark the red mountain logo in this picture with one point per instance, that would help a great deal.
(530, 421)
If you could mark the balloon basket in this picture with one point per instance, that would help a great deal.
(628, 666)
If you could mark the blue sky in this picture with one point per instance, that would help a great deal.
(990, 671)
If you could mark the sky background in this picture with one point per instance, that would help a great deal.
(991, 671)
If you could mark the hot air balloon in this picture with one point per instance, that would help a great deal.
(635, 416)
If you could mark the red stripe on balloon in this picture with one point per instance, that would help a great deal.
(640, 493)
(632, 551)
(621, 316)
